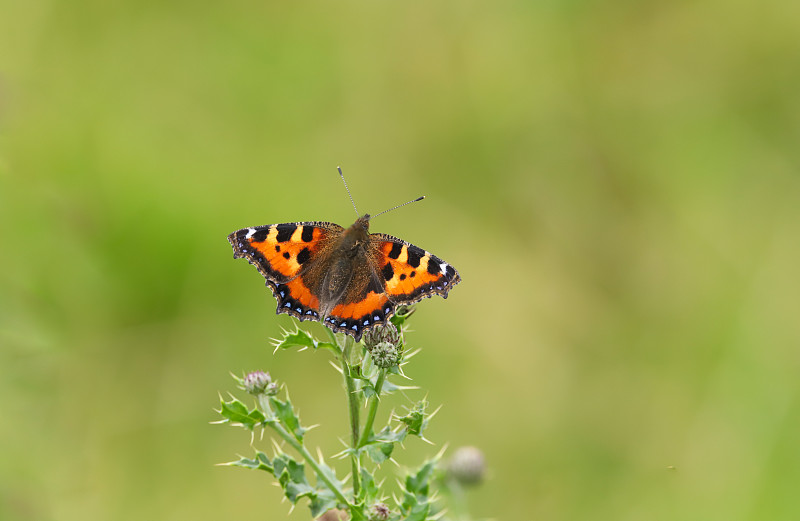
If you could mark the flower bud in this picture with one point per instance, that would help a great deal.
(378, 512)
(259, 382)
(467, 466)
(387, 333)
(385, 355)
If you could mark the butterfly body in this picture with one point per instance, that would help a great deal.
(350, 279)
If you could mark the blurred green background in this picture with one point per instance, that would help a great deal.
(617, 183)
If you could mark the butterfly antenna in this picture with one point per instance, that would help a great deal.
(399, 206)
(348, 189)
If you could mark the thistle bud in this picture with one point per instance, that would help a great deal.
(384, 333)
(259, 382)
(467, 466)
(385, 355)
(378, 512)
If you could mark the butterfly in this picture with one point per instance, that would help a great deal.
(347, 278)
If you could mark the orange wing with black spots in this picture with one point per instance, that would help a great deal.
(282, 253)
(410, 273)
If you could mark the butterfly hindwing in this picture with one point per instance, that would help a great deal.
(364, 306)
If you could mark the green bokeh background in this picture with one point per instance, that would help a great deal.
(617, 183)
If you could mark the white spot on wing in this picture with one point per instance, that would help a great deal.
(250, 233)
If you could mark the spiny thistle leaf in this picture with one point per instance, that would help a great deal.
(416, 420)
(369, 488)
(322, 502)
(286, 415)
(261, 462)
(301, 339)
(236, 412)
(388, 435)
(416, 502)
(331, 475)
(418, 512)
(418, 483)
(380, 445)
(324, 498)
(379, 452)
(292, 477)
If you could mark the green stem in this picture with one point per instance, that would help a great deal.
(283, 433)
(352, 399)
(373, 409)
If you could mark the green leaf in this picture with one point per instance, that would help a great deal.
(261, 462)
(286, 415)
(379, 452)
(325, 498)
(358, 512)
(379, 445)
(389, 387)
(387, 435)
(401, 315)
(369, 488)
(322, 502)
(416, 420)
(416, 504)
(292, 477)
(236, 412)
(418, 483)
(331, 475)
(418, 512)
(368, 389)
(409, 502)
(300, 339)
(395, 369)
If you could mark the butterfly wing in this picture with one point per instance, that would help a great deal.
(282, 253)
(410, 273)
(392, 273)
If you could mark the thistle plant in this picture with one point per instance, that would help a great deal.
(369, 371)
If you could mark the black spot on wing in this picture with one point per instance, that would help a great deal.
(261, 235)
(434, 265)
(397, 248)
(286, 255)
(388, 271)
(285, 232)
(308, 234)
(415, 255)
(402, 276)
(303, 256)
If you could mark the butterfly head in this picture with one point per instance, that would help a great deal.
(358, 234)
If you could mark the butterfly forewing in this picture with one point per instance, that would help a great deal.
(409, 272)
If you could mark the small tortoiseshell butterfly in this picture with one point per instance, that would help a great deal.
(350, 279)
